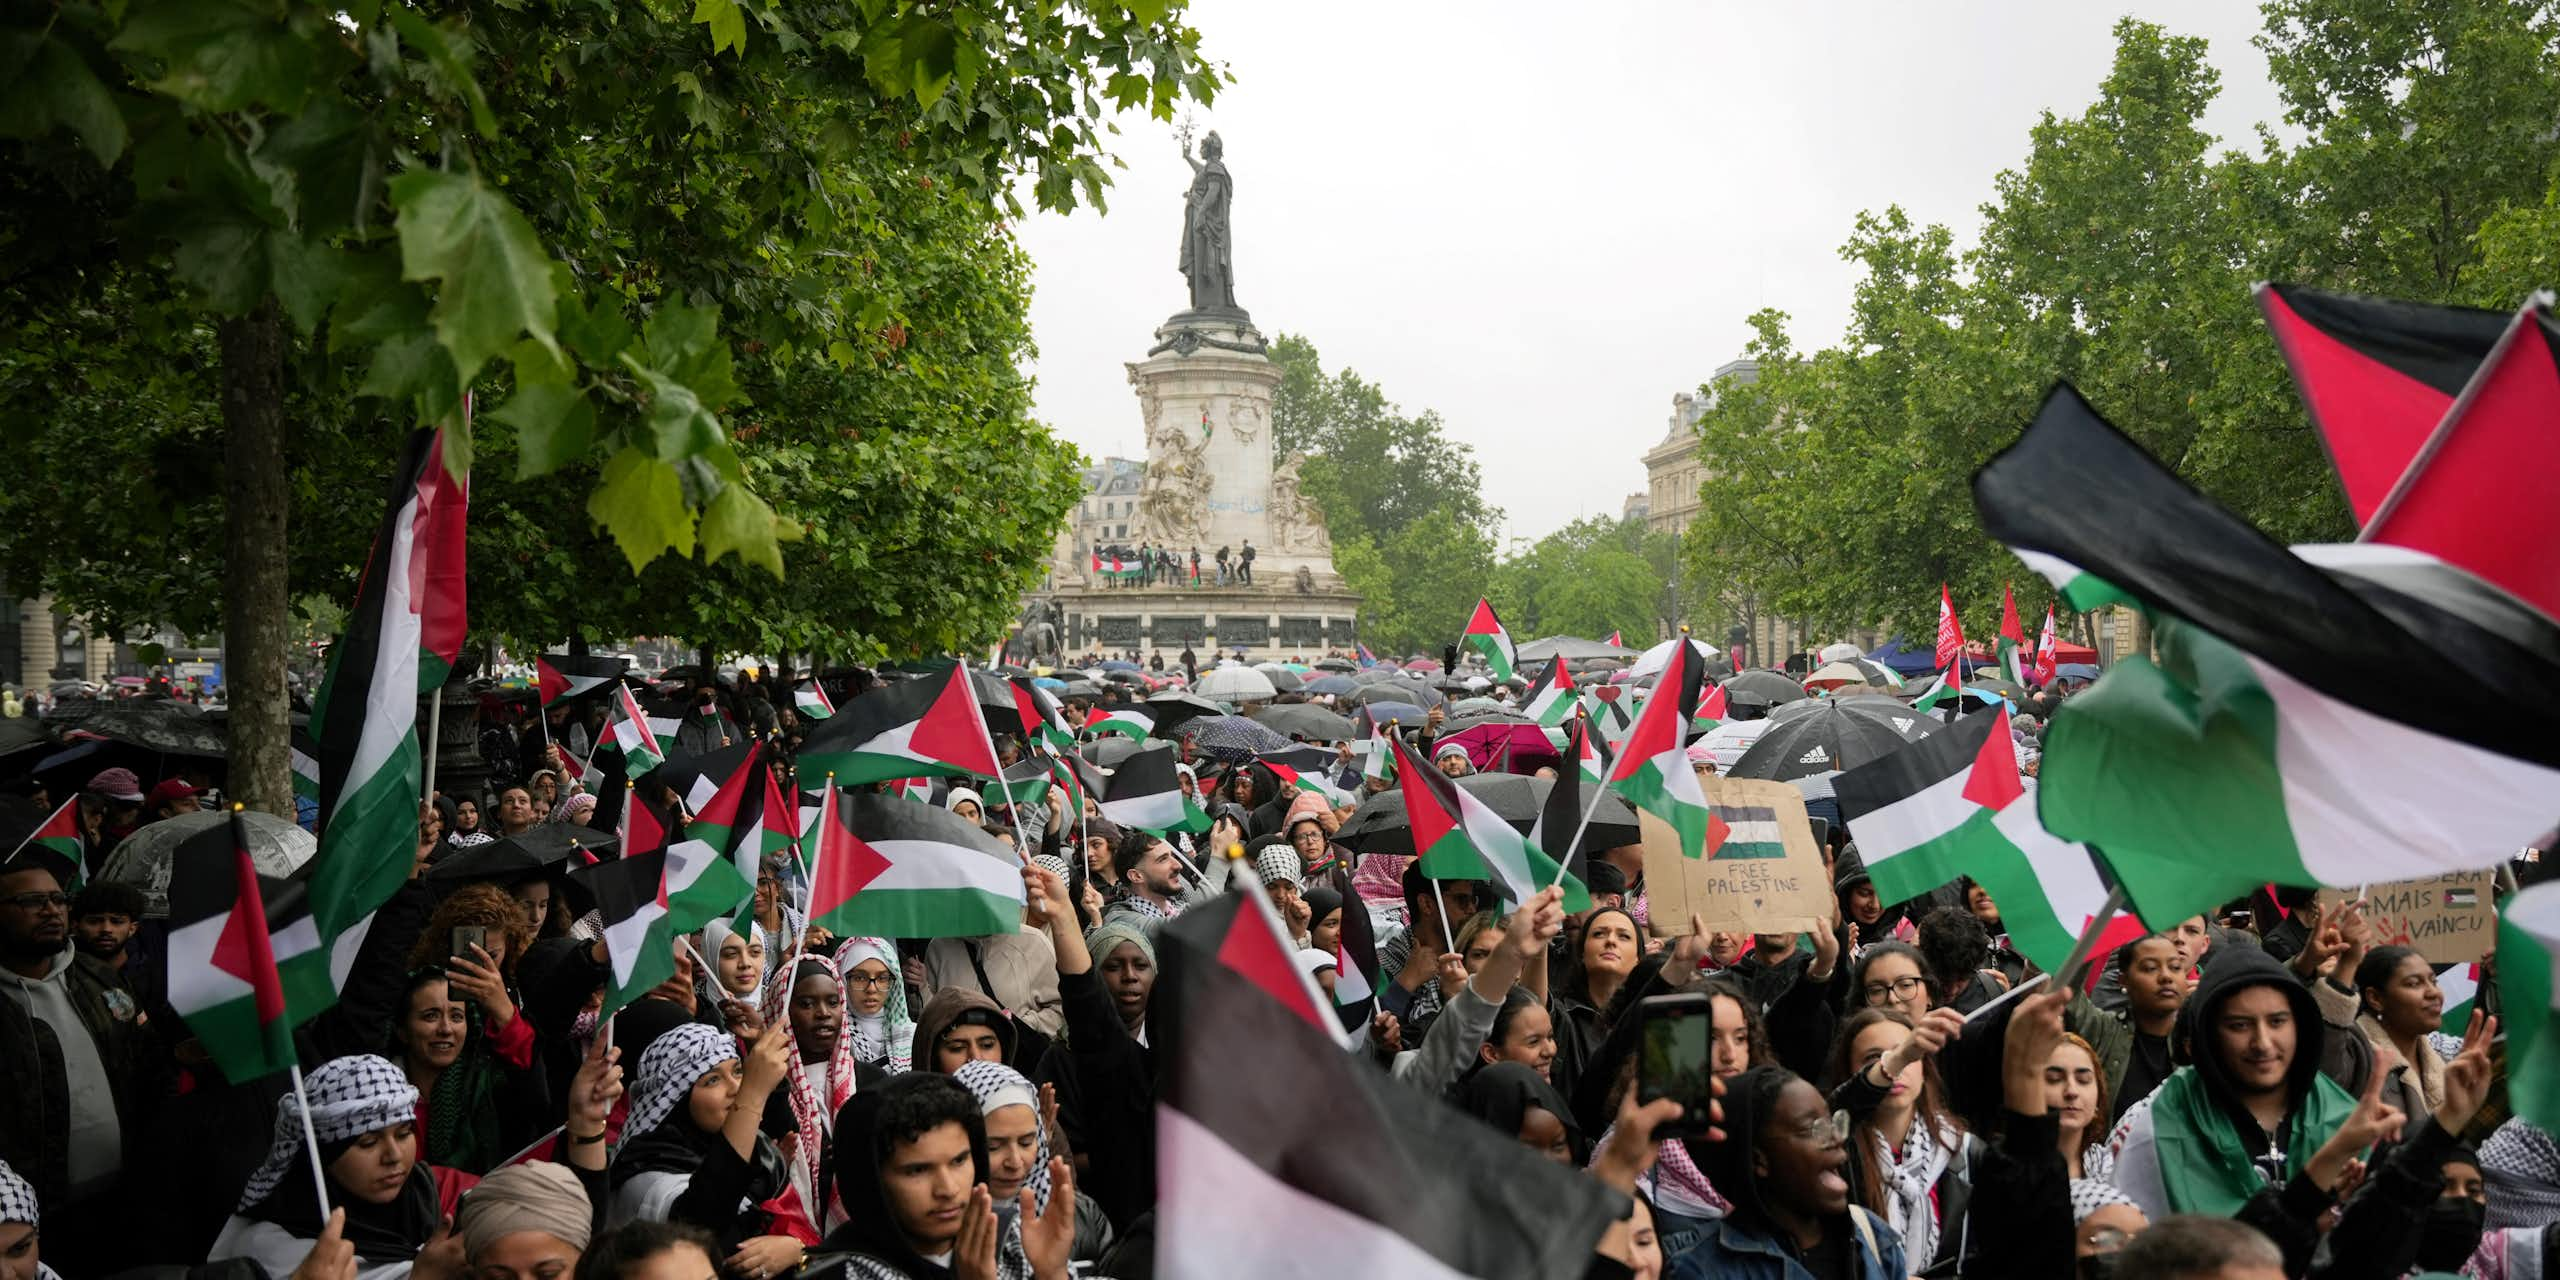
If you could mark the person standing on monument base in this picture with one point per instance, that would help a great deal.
(1195, 566)
(1244, 563)
(1222, 566)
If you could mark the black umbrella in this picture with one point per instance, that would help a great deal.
(1420, 695)
(25, 733)
(1173, 706)
(1109, 750)
(1304, 720)
(1763, 686)
(171, 728)
(1829, 733)
(1336, 664)
(1233, 739)
(1283, 680)
(1380, 824)
(1378, 675)
(546, 844)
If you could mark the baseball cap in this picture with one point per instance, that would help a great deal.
(170, 789)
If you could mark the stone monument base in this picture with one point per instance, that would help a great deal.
(1272, 621)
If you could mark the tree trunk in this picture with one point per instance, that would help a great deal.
(255, 613)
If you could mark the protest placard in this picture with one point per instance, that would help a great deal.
(1762, 871)
(2447, 918)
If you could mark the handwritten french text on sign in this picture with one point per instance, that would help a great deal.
(2447, 918)
(1764, 875)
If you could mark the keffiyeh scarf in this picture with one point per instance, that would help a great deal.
(2088, 1195)
(1908, 1179)
(997, 1086)
(668, 1070)
(17, 1199)
(2521, 1165)
(350, 1097)
(813, 1116)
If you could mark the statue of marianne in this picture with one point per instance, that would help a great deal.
(1207, 261)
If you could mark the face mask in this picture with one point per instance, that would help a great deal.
(2448, 1233)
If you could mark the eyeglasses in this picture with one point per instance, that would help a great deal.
(1896, 989)
(38, 901)
(1829, 1129)
(867, 981)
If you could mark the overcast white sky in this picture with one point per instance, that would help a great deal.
(1542, 220)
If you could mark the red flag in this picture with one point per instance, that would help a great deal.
(1950, 632)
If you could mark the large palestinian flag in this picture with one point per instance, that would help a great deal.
(1485, 635)
(1459, 837)
(566, 675)
(1653, 770)
(2337, 715)
(402, 638)
(912, 729)
(2529, 982)
(229, 928)
(2377, 375)
(1133, 723)
(1145, 792)
(630, 894)
(1370, 1184)
(1551, 697)
(883, 867)
(1044, 718)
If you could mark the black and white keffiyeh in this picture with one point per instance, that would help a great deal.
(2088, 1195)
(997, 1086)
(668, 1070)
(350, 1097)
(17, 1199)
(2521, 1165)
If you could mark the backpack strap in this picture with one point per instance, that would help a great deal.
(1858, 1218)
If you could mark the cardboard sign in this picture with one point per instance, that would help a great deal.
(1765, 876)
(2449, 918)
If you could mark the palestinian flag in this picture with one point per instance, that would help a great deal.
(1025, 784)
(630, 894)
(56, 842)
(1247, 1186)
(644, 740)
(1378, 760)
(1146, 793)
(1133, 723)
(1311, 783)
(1485, 635)
(1561, 814)
(1076, 774)
(305, 759)
(1044, 719)
(401, 640)
(1611, 710)
(1551, 697)
(2048, 663)
(563, 675)
(919, 790)
(1459, 837)
(883, 868)
(1950, 633)
(914, 728)
(1711, 709)
(810, 699)
(702, 883)
(728, 793)
(1941, 692)
(1743, 831)
(2377, 376)
(1653, 770)
(1916, 811)
(1589, 753)
(1616, 640)
(2477, 496)
(2328, 715)
(2013, 639)
(2460, 984)
(229, 927)
(2529, 1000)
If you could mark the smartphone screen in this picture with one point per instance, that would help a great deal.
(1676, 1057)
(467, 936)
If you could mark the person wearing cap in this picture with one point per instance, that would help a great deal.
(79, 1068)
(113, 800)
(172, 797)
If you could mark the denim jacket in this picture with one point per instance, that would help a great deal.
(1731, 1251)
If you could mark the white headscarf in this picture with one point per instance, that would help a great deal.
(889, 1033)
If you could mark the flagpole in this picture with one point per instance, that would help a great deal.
(435, 731)
(2070, 972)
(311, 1141)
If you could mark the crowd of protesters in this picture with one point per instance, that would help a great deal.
(2267, 1093)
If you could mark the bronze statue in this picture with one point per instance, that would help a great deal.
(1207, 261)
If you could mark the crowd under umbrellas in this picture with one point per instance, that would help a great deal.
(1358, 965)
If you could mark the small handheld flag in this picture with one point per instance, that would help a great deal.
(1485, 635)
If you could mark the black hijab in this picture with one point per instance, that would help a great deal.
(860, 1147)
(383, 1234)
(1501, 1093)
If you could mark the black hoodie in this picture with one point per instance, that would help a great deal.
(2226, 974)
(860, 1147)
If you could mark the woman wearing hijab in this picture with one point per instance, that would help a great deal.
(18, 1220)
(875, 1005)
(1519, 1102)
(364, 1114)
(959, 1025)
(967, 804)
(525, 1222)
(737, 959)
(822, 1074)
(939, 1221)
(462, 826)
(1018, 1150)
(691, 1151)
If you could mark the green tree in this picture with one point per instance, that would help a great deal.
(585, 213)
(1586, 579)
